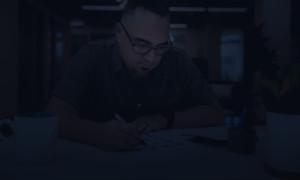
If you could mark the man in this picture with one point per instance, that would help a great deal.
(111, 95)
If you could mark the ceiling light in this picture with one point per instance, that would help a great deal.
(229, 10)
(187, 9)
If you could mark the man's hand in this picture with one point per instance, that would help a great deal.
(113, 135)
(118, 135)
(147, 124)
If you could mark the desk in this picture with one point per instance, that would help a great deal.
(167, 156)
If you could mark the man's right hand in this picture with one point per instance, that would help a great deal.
(118, 135)
(113, 135)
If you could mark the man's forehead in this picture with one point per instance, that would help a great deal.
(140, 14)
(149, 26)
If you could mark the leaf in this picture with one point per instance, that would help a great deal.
(272, 86)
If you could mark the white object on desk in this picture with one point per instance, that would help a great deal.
(283, 142)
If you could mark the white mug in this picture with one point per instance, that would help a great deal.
(283, 148)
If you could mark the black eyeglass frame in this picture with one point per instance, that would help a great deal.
(150, 48)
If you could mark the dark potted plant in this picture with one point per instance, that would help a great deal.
(275, 93)
(279, 88)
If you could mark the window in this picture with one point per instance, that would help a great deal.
(232, 55)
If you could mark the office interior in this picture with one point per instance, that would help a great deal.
(229, 40)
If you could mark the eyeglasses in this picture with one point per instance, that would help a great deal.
(143, 47)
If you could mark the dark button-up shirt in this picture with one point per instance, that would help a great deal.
(98, 85)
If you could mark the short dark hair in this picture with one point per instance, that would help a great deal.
(159, 7)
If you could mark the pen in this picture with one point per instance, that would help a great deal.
(118, 117)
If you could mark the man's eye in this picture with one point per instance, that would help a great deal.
(163, 47)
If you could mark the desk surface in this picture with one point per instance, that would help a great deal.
(168, 156)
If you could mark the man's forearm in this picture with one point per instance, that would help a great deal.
(70, 125)
(198, 117)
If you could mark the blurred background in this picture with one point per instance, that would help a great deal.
(229, 40)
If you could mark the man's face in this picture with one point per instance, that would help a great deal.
(141, 31)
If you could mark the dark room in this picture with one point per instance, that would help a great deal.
(150, 90)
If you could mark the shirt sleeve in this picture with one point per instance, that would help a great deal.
(195, 88)
(76, 83)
